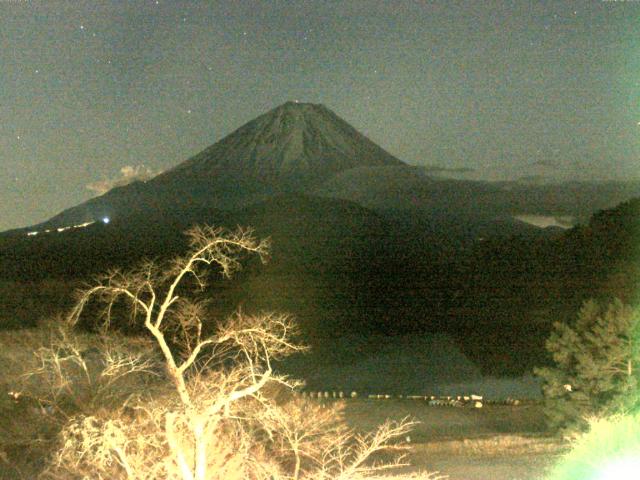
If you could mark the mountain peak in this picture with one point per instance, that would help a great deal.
(299, 104)
(291, 148)
(292, 143)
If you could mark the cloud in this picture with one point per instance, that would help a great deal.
(128, 174)
(545, 221)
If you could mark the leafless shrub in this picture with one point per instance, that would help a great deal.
(225, 415)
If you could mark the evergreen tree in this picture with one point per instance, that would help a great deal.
(597, 366)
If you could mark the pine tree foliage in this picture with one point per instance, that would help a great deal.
(597, 365)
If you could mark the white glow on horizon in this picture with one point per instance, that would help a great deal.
(620, 469)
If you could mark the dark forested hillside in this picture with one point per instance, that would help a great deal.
(342, 269)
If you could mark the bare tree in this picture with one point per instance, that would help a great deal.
(221, 418)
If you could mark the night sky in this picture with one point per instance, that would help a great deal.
(94, 91)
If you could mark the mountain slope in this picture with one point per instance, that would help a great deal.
(288, 149)
(412, 190)
(291, 143)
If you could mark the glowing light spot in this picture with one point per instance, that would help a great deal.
(105, 220)
(620, 469)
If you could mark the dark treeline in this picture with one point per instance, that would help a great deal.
(342, 269)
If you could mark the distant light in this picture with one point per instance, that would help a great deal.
(105, 220)
(31, 234)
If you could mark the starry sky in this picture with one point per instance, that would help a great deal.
(95, 93)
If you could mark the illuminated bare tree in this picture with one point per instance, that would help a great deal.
(221, 418)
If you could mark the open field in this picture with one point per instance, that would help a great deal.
(496, 442)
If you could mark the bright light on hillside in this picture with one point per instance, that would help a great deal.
(105, 220)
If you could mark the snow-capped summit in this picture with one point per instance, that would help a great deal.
(293, 143)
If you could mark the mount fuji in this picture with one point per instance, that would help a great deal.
(293, 148)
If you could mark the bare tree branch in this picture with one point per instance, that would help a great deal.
(220, 418)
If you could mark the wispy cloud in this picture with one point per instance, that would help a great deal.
(128, 174)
